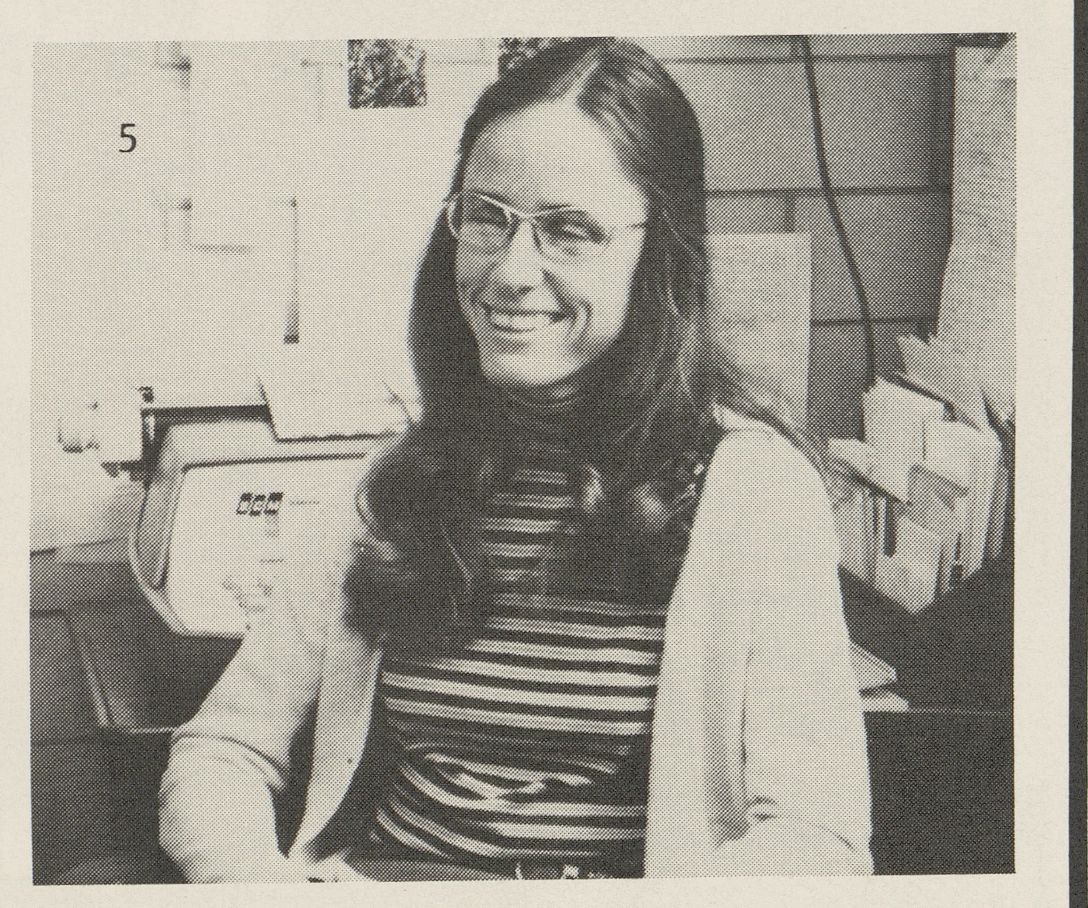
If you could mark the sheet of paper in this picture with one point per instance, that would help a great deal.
(872, 671)
(760, 297)
(224, 191)
(895, 419)
(938, 370)
(938, 518)
(940, 505)
(972, 458)
(909, 575)
(855, 516)
(885, 472)
(854, 452)
(883, 701)
(300, 410)
(978, 300)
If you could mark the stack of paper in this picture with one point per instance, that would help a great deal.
(921, 500)
(971, 457)
(896, 417)
(941, 503)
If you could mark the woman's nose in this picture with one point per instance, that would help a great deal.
(520, 262)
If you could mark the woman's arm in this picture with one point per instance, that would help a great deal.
(227, 765)
(782, 741)
(806, 767)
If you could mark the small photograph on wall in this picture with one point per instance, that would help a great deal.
(383, 73)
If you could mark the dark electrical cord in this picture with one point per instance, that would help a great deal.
(836, 216)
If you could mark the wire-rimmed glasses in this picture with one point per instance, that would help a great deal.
(565, 235)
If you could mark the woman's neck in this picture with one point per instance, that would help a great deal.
(554, 413)
(559, 398)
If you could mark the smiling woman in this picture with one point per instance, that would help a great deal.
(590, 624)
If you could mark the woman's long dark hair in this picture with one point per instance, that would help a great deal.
(655, 396)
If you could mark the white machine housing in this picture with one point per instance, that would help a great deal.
(229, 512)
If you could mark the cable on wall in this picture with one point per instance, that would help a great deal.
(836, 215)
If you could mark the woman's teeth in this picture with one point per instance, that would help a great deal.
(520, 320)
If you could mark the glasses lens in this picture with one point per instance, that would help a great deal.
(570, 235)
(478, 222)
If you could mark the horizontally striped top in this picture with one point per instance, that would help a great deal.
(531, 739)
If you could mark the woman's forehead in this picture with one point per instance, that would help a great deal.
(551, 155)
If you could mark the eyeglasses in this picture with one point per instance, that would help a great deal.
(565, 235)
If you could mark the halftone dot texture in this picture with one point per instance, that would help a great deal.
(978, 311)
(386, 74)
(283, 232)
(246, 218)
(886, 104)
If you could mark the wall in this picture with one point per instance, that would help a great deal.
(885, 103)
(256, 207)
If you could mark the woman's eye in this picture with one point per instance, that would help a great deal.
(574, 228)
(494, 218)
(482, 213)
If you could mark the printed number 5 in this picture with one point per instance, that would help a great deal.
(128, 135)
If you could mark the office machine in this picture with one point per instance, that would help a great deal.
(234, 488)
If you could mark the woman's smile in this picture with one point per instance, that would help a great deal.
(519, 321)
(519, 339)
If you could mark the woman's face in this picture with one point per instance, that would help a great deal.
(538, 321)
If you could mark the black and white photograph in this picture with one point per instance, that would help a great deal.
(524, 457)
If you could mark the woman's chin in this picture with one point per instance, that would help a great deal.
(522, 376)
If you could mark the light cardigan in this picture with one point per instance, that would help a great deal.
(758, 758)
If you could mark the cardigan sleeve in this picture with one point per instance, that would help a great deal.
(768, 724)
(227, 765)
(806, 772)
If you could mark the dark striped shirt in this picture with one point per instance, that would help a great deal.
(529, 740)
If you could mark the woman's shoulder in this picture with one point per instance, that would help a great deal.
(763, 495)
(751, 456)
